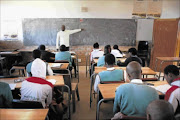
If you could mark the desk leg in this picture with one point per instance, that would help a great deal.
(160, 70)
(91, 84)
(98, 107)
(69, 93)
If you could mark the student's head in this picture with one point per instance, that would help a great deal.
(36, 53)
(42, 47)
(96, 45)
(63, 48)
(63, 27)
(115, 47)
(132, 51)
(133, 70)
(110, 59)
(171, 72)
(160, 110)
(107, 49)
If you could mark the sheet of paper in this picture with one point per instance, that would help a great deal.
(53, 81)
(163, 88)
(12, 86)
(5, 52)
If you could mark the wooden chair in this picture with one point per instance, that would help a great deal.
(20, 68)
(73, 87)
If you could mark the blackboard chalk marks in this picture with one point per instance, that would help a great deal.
(105, 31)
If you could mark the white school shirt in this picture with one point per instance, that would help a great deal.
(63, 37)
(175, 95)
(36, 92)
(116, 53)
(96, 53)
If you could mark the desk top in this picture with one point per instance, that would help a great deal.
(145, 70)
(9, 53)
(121, 59)
(62, 66)
(168, 58)
(23, 114)
(108, 90)
(59, 80)
(25, 50)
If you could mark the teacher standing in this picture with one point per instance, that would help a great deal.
(63, 36)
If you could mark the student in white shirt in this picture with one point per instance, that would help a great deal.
(171, 74)
(96, 52)
(36, 88)
(116, 52)
(63, 37)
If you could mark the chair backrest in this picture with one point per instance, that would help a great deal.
(108, 82)
(26, 104)
(143, 46)
(132, 118)
(67, 81)
(61, 61)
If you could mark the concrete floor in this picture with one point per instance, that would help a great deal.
(83, 110)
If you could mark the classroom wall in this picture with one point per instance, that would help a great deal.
(13, 12)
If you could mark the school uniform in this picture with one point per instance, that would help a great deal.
(111, 74)
(116, 53)
(132, 99)
(5, 91)
(130, 59)
(173, 94)
(64, 55)
(101, 61)
(96, 53)
(47, 56)
(36, 88)
(47, 68)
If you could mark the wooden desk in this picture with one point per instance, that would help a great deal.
(59, 80)
(108, 92)
(165, 59)
(145, 70)
(23, 114)
(26, 50)
(121, 59)
(62, 66)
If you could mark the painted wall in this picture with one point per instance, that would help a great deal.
(13, 12)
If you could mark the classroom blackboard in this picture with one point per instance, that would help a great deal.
(104, 31)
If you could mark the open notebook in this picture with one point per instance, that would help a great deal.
(58, 65)
(162, 88)
(53, 81)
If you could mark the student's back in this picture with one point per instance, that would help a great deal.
(63, 55)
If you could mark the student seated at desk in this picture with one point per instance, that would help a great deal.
(45, 55)
(111, 74)
(101, 61)
(36, 88)
(116, 52)
(96, 52)
(64, 55)
(132, 52)
(6, 97)
(133, 98)
(160, 110)
(36, 56)
(171, 74)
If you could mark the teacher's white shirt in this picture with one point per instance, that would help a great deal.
(63, 37)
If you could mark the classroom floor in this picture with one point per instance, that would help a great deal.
(83, 110)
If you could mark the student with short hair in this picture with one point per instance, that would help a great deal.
(101, 60)
(132, 57)
(45, 55)
(63, 55)
(133, 98)
(36, 88)
(96, 52)
(160, 110)
(111, 75)
(171, 74)
(37, 55)
(116, 52)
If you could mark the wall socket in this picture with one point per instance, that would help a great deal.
(79, 60)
